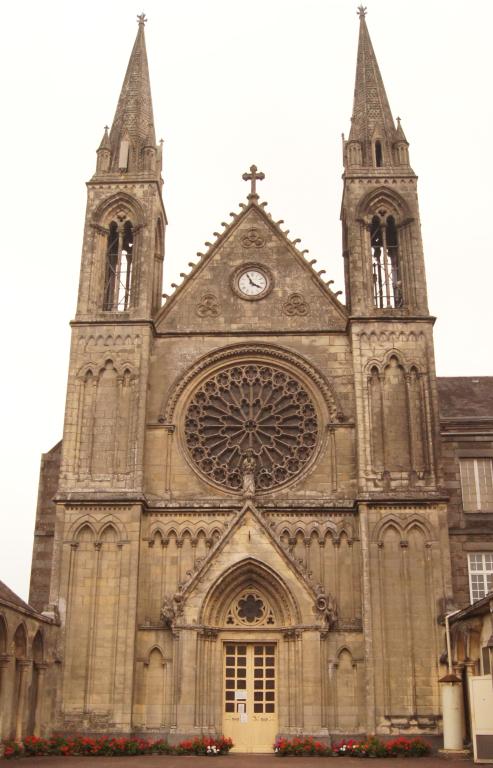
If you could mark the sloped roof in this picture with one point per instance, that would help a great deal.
(6, 595)
(465, 397)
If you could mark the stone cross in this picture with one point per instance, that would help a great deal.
(361, 11)
(141, 18)
(253, 177)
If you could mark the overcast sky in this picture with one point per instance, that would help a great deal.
(234, 83)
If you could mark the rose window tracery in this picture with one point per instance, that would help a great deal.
(250, 609)
(247, 411)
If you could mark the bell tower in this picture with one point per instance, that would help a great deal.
(391, 328)
(119, 295)
(121, 273)
(383, 252)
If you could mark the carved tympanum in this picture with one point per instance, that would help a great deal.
(250, 410)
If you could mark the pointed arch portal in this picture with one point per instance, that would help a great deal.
(246, 615)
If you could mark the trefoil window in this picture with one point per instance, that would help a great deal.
(387, 285)
(119, 264)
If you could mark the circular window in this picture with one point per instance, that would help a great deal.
(250, 609)
(254, 418)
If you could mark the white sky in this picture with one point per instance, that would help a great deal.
(268, 82)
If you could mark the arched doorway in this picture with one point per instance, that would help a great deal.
(248, 612)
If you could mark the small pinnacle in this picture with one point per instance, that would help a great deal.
(106, 128)
(141, 18)
(361, 11)
(398, 120)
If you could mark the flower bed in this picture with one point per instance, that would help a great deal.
(33, 746)
(370, 747)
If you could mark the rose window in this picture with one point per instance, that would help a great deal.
(251, 412)
(250, 609)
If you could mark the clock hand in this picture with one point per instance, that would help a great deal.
(252, 283)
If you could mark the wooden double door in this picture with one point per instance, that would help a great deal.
(250, 695)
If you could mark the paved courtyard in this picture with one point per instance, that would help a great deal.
(233, 761)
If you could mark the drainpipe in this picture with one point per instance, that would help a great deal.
(453, 726)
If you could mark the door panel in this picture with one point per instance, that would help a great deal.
(250, 706)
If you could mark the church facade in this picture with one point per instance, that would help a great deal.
(247, 527)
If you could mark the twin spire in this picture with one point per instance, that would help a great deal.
(131, 143)
(373, 140)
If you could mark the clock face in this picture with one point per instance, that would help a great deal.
(252, 282)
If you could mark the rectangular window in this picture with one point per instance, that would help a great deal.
(480, 574)
(485, 661)
(476, 477)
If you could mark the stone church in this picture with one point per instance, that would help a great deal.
(265, 501)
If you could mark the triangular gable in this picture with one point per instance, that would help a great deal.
(237, 545)
(298, 299)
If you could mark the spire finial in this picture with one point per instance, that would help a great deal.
(361, 11)
(253, 177)
(141, 18)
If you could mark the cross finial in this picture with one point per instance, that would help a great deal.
(361, 11)
(253, 177)
(141, 18)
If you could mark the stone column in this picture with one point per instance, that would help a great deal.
(40, 669)
(20, 712)
(4, 662)
(367, 620)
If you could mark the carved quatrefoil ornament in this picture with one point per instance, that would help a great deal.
(247, 410)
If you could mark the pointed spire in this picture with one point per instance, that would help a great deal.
(134, 120)
(399, 134)
(105, 141)
(371, 110)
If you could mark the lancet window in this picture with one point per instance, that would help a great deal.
(387, 285)
(378, 154)
(119, 266)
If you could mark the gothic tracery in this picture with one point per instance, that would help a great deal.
(258, 409)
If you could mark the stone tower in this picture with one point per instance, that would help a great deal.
(390, 326)
(101, 475)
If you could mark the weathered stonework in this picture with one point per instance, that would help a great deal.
(354, 553)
